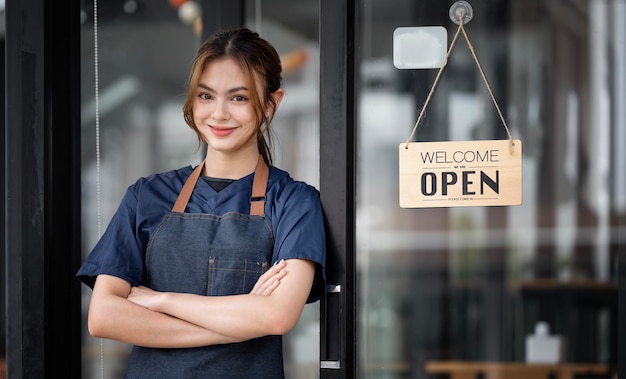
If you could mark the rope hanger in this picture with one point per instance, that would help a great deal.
(458, 12)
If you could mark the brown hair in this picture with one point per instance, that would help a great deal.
(258, 59)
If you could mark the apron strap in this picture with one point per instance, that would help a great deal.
(185, 193)
(259, 186)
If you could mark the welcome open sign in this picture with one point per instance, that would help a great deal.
(458, 174)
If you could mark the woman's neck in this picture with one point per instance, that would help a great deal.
(227, 166)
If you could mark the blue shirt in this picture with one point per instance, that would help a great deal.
(292, 207)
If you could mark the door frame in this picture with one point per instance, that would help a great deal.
(41, 225)
(338, 116)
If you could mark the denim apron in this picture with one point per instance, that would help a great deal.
(211, 255)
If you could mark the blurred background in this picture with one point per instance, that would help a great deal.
(433, 285)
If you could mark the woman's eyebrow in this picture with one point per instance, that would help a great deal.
(232, 90)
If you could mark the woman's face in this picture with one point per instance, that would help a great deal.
(223, 110)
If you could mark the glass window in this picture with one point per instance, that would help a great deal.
(145, 49)
(444, 290)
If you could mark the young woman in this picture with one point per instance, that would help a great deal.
(204, 269)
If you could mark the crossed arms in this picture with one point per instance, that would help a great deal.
(143, 317)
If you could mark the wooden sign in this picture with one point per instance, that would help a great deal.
(460, 174)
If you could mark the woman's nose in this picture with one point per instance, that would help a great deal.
(220, 111)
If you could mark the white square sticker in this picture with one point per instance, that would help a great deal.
(419, 47)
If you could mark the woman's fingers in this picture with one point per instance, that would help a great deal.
(270, 280)
(143, 296)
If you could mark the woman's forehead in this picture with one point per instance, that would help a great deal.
(237, 69)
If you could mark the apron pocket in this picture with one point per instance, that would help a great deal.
(233, 276)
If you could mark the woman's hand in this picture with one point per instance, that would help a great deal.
(270, 280)
(144, 296)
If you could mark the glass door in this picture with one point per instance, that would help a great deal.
(487, 291)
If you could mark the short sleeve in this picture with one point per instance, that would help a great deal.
(119, 251)
(299, 231)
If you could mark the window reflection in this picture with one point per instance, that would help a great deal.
(443, 290)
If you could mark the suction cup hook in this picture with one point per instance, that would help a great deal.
(461, 9)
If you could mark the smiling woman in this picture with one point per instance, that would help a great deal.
(205, 268)
(225, 117)
(256, 72)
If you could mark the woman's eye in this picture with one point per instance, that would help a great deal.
(239, 98)
(204, 96)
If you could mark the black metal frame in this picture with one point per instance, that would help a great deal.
(337, 185)
(42, 184)
(2, 195)
(221, 14)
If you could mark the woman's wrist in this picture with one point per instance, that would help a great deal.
(161, 301)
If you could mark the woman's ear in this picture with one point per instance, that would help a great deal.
(278, 97)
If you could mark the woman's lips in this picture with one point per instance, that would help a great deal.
(222, 131)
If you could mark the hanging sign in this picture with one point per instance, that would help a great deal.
(460, 174)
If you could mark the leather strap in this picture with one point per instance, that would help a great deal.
(185, 193)
(259, 186)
